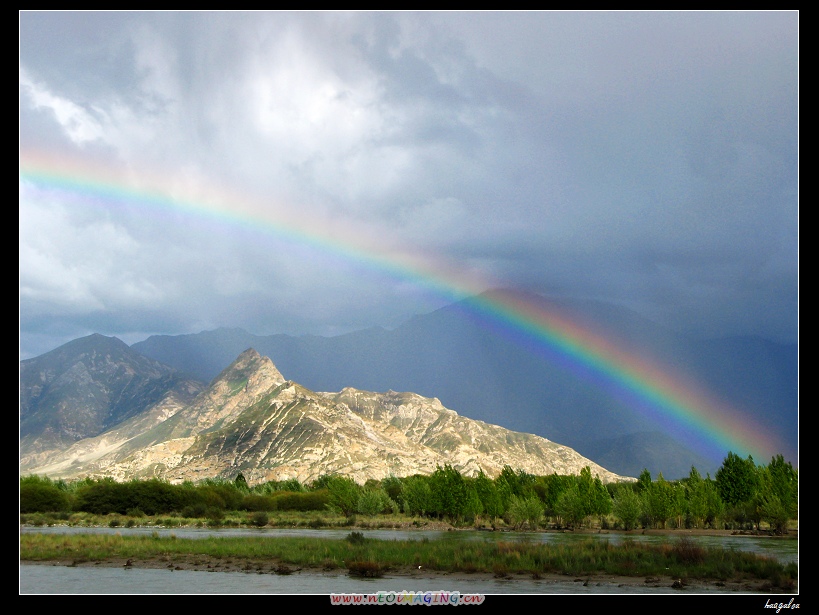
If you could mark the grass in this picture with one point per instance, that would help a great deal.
(371, 557)
(275, 518)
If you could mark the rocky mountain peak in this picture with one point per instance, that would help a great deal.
(251, 369)
(251, 419)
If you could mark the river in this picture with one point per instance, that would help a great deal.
(59, 579)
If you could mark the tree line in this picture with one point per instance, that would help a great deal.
(742, 495)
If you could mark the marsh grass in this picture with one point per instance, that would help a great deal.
(216, 518)
(629, 558)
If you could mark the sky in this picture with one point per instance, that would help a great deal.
(324, 172)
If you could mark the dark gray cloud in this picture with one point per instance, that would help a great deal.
(645, 158)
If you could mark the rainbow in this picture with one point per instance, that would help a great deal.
(705, 423)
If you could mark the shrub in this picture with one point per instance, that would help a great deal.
(343, 494)
(36, 519)
(254, 502)
(214, 513)
(371, 502)
(194, 511)
(156, 496)
(365, 568)
(525, 510)
(41, 495)
(220, 494)
(259, 518)
(356, 538)
(305, 500)
(627, 507)
(103, 497)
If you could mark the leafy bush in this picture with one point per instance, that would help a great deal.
(194, 511)
(156, 497)
(371, 502)
(525, 510)
(214, 513)
(255, 502)
(41, 495)
(306, 500)
(627, 507)
(103, 497)
(343, 494)
(220, 494)
(259, 518)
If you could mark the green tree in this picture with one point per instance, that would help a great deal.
(593, 494)
(393, 486)
(473, 507)
(344, 494)
(585, 488)
(679, 503)
(551, 488)
(527, 510)
(372, 502)
(660, 501)
(715, 505)
(627, 506)
(416, 495)
(697, 498)
(506, 484)
(736, 479)
(525, 483)
(291, 484)
(777, 500)
(41, 494)
(644, 481)
(487, 493)
(570, 506)
(449, 493)
(220, 493)
(601, 499)
(103, 497)
(784, 484)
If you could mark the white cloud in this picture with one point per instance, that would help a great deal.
(80, 124)
(602, 154)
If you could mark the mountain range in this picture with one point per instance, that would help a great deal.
(249, 419)
(450, 355)
(474, 369)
